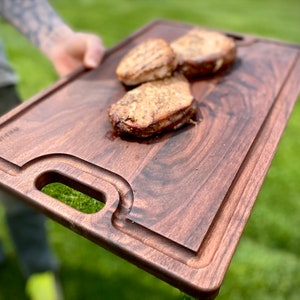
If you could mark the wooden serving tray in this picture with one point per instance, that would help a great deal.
(175, 204)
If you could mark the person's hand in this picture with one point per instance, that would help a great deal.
(70, 50)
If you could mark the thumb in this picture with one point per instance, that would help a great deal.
(94, 51)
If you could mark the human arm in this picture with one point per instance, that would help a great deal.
(40, 23)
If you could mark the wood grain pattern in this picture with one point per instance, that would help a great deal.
(176, 204)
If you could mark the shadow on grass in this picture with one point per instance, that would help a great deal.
(79, 283)
(93, 286)
(12, 283)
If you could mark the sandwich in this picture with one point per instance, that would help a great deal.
(154, 107)
(150, 60)
(202, 52)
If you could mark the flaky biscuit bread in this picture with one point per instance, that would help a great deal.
(150, 60)
(201, 52)
(153, 107)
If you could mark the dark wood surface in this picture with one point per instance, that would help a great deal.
(175, 204)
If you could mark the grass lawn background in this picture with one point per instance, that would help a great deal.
(266, 264)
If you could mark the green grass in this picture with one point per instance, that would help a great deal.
(73, 198)
(266, 264)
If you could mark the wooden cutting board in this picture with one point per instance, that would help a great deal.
(175, 204)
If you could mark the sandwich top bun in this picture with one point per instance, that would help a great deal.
(201, 52)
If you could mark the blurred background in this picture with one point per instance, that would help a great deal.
(266, 264)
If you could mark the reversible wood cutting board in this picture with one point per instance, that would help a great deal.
(175, 204)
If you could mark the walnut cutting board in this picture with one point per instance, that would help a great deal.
(175, 204)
